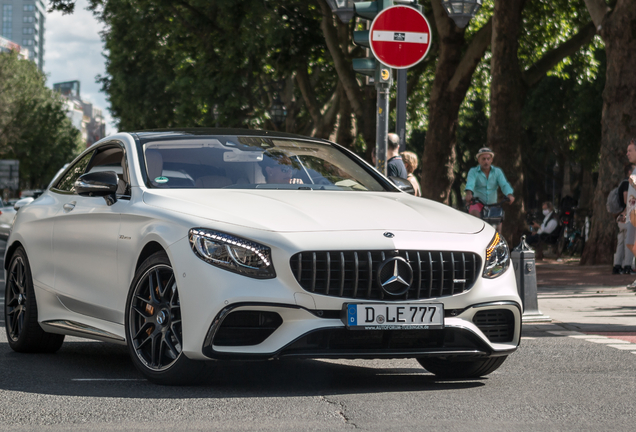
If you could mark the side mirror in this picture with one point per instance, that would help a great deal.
(23, 202)
(403, 184)
(98, 184)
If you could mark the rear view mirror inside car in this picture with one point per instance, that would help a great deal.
(242, 157)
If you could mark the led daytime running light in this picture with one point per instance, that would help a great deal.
(497, 257)
(233, 241)
(493, 245)
(232, 253)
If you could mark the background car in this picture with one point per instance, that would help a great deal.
(7, 213)
(198, 245)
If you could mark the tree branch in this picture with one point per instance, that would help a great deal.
(302, 78)
(597, 9)
(473, 55)
(537, 71)
(343, 68)
(329, 118)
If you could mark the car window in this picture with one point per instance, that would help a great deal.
(110, 158)
(254, 162)
(67, 182)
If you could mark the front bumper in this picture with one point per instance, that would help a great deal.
(275, 331)
(293, 322)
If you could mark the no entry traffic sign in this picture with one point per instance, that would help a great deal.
(400, 37)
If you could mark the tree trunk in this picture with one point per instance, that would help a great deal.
(455, 67)
(344, 135)
(618, 30)
(443, 108)
(507, 93)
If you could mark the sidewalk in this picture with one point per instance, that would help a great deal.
(587, 299)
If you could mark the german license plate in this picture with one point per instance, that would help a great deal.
(422, 316)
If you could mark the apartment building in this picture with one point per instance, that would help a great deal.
(22, 22)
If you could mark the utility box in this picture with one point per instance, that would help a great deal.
(526, 275)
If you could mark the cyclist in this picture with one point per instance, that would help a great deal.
(483, 182)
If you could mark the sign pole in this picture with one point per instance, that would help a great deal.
(401, 108)
(382, 126)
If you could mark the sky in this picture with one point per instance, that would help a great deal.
(73, 51)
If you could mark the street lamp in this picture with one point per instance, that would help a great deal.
(278, 112)
(461, 11)
(342, 8)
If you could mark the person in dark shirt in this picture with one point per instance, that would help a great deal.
(394, 166)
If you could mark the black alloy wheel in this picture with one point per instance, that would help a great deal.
(24, 334)
(153, 325)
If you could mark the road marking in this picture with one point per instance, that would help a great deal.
(527, 338)
(589, 337)
(107, 379)
(612, 342)
(625, 347)
(607, 341)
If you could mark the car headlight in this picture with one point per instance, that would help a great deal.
(497, 257)
(232, 253)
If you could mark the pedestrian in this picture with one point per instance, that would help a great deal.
(547, 232)
(630, 211)
(394, 166)
(410, 162)
(623, 256)
(483, 181)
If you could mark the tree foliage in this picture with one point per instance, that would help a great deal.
(33, 125)
(202, 63)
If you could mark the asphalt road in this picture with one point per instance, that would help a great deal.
(553, 382)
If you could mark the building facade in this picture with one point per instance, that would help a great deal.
(87, 118)
(7, 46)
(22, 22)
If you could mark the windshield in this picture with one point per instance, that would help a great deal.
(253, 162)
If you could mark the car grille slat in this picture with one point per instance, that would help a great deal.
(430, 275)
(370, 275)
(328, 275)
(419, 275)
(342, 273)
(356, 270)
(353, 274)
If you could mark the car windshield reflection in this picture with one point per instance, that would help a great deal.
(254, 163)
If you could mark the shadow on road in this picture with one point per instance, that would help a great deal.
(105, 370)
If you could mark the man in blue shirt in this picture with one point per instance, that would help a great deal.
(483, 182)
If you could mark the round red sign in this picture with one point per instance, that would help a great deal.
(400, 37)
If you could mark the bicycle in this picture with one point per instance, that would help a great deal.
(492, 214)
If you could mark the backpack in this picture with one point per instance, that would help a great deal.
(613, 204)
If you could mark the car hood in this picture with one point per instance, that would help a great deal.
(296, 211)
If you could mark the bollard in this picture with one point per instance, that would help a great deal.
(526, 274)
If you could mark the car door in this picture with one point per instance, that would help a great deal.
(85, 236)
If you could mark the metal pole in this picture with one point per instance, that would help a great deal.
(382, 124)
(401, 108)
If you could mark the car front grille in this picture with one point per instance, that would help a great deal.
(354, 274)
(497, 325)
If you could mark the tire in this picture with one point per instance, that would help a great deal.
(577, 247)
(560, 247)
(461, 369)
(153, 325)
(24, 334)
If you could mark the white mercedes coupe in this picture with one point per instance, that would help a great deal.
(206, 244)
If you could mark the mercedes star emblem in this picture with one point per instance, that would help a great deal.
(395, 276)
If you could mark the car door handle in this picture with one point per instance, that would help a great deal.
(69, 206)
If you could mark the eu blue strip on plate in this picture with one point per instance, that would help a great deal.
(352, 315)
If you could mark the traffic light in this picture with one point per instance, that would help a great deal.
(369, 66)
